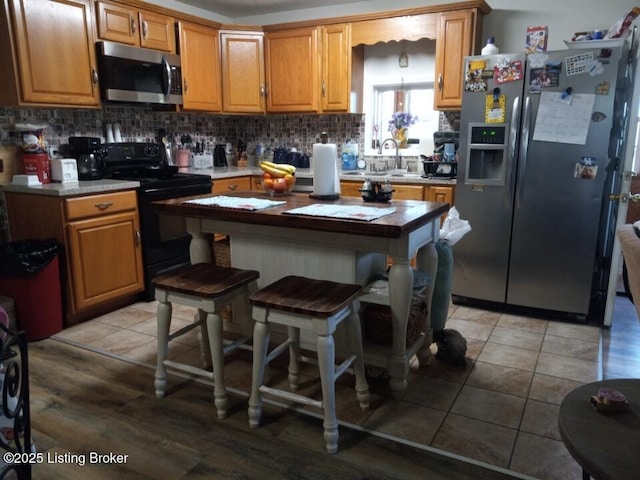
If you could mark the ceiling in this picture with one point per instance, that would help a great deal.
(248, 8)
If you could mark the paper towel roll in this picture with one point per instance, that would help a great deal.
(325, 168)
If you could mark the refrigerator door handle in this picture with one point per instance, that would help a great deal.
(513, 152)
(524, 149)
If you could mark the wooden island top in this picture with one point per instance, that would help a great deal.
(409, 214)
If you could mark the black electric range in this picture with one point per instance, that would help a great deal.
(165, 240)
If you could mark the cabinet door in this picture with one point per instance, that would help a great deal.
(336, 67)
(454, 42)
(292, 64)
(157, 31)
(106, 258)
(350, 189)
(118, 23)
(200, 58)
(243, 82)
(56, 53)
(408, 192)
(440, 194)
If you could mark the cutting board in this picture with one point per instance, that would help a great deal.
(8, 164)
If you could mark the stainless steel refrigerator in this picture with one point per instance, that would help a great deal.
(540, 143)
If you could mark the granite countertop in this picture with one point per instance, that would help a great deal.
(83, 187)
(356, 176)
(89, 187)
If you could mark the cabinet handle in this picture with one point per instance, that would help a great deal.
(138, 238)
(103, 205)
(233, 186)
(263, 91)
(440, 81)
(186, 85)
(144, 30)
(94, 75)
(324, 94)
(134, 26)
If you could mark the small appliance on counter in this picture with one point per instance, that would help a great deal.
(220, 156)
(64, 170)
(86, 151)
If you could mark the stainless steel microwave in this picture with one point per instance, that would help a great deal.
(138, 75)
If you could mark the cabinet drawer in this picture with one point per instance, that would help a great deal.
(231, 184)
(96, 205)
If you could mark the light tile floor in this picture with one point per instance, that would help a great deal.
(501, 408)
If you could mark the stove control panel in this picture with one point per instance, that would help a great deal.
(134, 152)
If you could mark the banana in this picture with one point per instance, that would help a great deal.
(275, 170)
(290, 169)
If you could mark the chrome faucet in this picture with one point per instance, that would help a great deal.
(397, 164)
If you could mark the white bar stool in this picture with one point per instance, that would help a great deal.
(318, 306)
(208, 288)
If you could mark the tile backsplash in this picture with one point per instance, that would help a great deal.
(141, 124)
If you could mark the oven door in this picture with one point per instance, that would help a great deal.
(165, 240)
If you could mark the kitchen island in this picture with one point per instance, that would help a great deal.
(278, 242)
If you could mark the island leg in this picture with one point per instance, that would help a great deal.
(400, 289)
(200, 246)
(427, 261)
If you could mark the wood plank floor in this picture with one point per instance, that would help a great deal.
(83, 402)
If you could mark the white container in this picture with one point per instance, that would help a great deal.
(490, 48)
(64, 170)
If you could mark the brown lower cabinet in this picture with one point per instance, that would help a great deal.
(102, 253)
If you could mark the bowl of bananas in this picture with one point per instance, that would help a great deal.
(277, 178)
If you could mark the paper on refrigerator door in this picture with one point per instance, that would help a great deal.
(562, 122)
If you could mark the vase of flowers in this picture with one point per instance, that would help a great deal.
(398, 126)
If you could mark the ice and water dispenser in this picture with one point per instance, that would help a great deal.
(486, 154)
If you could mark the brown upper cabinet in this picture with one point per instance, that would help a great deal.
(309, 69)
(336, 67)
(140, 28)
(42, 63)
(200, 58)
(243, 77)
(458, 36)
(292, 66)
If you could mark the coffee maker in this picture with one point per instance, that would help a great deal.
(86, 151)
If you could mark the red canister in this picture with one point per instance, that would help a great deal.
(37, 164)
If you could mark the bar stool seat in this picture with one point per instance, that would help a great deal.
(208, 288)
(318, 306)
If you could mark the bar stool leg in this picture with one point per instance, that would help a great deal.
(294, 357)
(164, 323)
(203, 337)
(260, 345)
(354, 335)
(214, 330)
(326, 364)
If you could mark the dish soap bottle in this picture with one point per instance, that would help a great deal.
(349, 156)
(490, 48)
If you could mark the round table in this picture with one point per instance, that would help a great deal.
(605, 444)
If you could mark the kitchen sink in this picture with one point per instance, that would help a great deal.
(365, 174)
(405, 174)
(388, 173)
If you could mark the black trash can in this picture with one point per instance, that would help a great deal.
(30, 274)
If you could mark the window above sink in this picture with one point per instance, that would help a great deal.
(390, 87)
